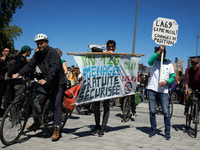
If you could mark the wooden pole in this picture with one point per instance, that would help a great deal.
(161, 66)
(100, 53)
(133, 51)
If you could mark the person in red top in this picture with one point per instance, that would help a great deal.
(192, 80)
(192, 76)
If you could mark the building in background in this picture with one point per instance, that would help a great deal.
(190, 58)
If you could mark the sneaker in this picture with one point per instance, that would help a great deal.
(152, 133)
(56, 134)
(133, 116)
(121, 113)
(33, 127)
(102, 132)
(167, 136)
(95, 131)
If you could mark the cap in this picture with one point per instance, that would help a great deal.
(26, 48)
(195, 60)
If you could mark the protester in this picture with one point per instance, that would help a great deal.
(72, 77)
(63, 61)
(20, 62)
(53, 82)
(181, 86)
(101, 130)
(3, 65)
(159, 89)
(192, 80)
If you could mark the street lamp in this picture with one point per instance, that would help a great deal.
(133, 51)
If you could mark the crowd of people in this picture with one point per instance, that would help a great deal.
(46, 63)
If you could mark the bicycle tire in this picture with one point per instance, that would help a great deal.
(174, 97)
(191, 129)
(13, 122)
(196, 120)
(126, 108)
(48, 117)
(189, 117)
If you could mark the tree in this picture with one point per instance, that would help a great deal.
(9, 33)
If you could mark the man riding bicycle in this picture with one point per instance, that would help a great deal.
(48, 60)
(192, 80)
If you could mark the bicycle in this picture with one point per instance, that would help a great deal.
(192, 119)
(127, 106)
(16, 115)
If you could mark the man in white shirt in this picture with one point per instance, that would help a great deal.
(159, 89)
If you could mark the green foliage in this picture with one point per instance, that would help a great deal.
(9, 33)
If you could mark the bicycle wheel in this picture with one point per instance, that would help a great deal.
(82, 109)
(13, 122)
(170, 107)
(48, 117)
(126, 108)
(174, 97)
(196, 120)
(189, 117)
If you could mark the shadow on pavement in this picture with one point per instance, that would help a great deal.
(119, 115)
(179, 127)
(146, 130)
(1, 112)
(73, 117)
(110, 129)
(87, 133)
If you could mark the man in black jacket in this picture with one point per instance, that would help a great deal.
(48, 60)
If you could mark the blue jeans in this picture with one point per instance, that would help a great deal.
(164, 101)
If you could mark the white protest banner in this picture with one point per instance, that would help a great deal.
(106, 76)
(165, 31)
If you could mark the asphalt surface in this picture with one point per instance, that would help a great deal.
(131, 135)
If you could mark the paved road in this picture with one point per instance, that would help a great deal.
(131, 135)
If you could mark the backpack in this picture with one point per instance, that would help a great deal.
(11, 66)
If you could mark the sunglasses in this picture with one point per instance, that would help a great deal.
(111, 46)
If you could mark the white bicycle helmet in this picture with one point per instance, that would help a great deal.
(41, 37)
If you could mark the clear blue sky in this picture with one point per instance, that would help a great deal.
(73, 25)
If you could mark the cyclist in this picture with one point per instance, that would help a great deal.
(53, 82)
(159, 90)
(192, 80)
(181, 86)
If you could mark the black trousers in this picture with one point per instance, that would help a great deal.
(97, 113)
